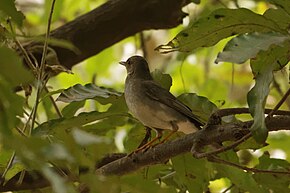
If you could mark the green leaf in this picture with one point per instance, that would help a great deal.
(193, 174)
(240, 49)
(8, 8)
(84, 139)
(49, 127)
(72, 108)
(12, 68)
(15, 169)
(10, 108)
(199, 105)
(164, 80)
(220, 24)
(262, 67)
(283, 4)
(273, 182)
(279, 16)
(89, 91)
(243, 180)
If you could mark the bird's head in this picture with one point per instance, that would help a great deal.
(137, 67)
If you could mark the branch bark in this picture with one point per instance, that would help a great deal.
(111, 22)
(211, 135)
(120, 164)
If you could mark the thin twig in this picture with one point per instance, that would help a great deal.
(254, 170)
(223, 149)
(180, 73)
(230, 187)
(53, 103)
(40, 81)
(279, 103)
(9, 164)
(26, 57)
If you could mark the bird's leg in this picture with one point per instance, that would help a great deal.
(147, 137)
(148, 144)
(174, 130)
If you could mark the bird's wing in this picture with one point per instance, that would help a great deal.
(158, 93)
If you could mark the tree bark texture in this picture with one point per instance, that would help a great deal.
(110, 23)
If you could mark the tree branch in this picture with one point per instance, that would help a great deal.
(120, 164)
(111, 22)
(211, 135)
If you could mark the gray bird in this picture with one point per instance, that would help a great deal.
(152, 105)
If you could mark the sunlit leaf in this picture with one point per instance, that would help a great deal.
(241, 48)
(15, 169)
(220, 24)
(8, 7)
(89, 91)
(263, 67)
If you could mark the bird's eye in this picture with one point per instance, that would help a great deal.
(129, 62)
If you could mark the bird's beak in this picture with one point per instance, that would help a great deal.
(123, 63)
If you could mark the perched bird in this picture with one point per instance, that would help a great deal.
(154, 106)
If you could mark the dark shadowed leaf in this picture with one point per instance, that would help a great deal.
(89, 91)
(220, 24)
(8, 8)
(193, 174)
(283, 4)
(199, 105)
(164, 80)
(243, 180)
(274, 182)
(280, 16)
(12, 68)
(241, 48)
(71, 109)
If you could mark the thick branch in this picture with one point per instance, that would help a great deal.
(111, 22)
(119, 164)
(161, 153)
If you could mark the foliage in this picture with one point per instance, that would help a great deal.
(54, 134)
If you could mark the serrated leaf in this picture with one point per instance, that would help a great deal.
(89, 91)
(262, 67)
(199, 105)
(240, 49)
(12, 68)
(48, 128)
(220, 24)
(8, 7)
(164, 80)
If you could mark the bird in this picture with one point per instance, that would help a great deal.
(154, 106)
